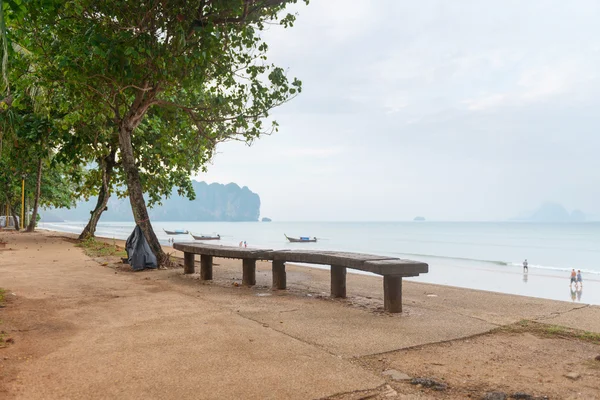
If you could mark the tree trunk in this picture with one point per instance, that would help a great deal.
(10, 198)
(107, 164)
(15, 219)
(134, 185)
(36, 201)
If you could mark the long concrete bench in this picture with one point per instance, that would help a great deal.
(392, 269)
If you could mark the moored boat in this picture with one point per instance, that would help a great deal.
(176, 232)
(301, 239)
(204, 237)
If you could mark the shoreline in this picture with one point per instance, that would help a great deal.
(537, 283)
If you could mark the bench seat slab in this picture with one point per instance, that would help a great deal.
(396, 267)
(224, 251)
(349, 260)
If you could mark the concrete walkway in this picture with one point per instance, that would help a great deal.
(84, 330)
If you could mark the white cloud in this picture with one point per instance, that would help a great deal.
(538, 84)
(486, 102)
(550, 81)
(312, 152)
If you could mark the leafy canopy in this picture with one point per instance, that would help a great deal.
(181, 75)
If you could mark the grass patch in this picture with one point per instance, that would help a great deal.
(592, 364)
(2, 293)
(551, 331)
(95, 248)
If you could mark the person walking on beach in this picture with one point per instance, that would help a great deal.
(525, 266)
(579, 279)
(573, 277)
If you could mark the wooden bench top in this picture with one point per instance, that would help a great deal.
(381, 265)
(345, 259)
(396, 267)
(217, 250)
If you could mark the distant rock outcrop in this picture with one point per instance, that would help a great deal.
(419, 219)
(214, 202)
(265, 219)
(554, 212)
(578, 216)
(551, 212)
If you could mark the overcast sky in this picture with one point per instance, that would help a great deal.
(454, 110)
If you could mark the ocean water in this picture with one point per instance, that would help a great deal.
(478, 255)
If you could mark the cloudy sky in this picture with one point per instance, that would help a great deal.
(454, 110)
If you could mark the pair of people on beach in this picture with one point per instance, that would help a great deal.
(576, 278)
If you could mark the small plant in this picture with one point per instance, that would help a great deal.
(95, 248)
(546, 330)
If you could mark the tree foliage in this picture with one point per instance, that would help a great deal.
(203, 63)
(19, 160)
(164, 81)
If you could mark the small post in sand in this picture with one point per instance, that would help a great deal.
(392, 293)
(188, 263)
(249, 273)
(338, 281)
(279, 278)
(206, 267)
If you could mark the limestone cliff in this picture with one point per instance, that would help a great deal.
(214, 202)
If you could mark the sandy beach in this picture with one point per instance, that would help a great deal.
(464, 252)
(75, 326)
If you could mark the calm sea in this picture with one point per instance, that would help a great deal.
(479, 255)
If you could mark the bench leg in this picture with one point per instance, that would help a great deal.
(392, 293)
(206, 264)
(338, 281)
(249, 274)
(279, 279)
(188, 263)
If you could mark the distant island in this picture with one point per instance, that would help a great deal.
(419, 219)
(265, 219)
(552, 212)
(214, 202)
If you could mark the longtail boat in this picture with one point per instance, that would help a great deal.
(204, 237)
(301, 239)
(176, 232)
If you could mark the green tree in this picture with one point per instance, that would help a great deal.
(90, 140)
(27, 115)
(55, 187)
(199, 65)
